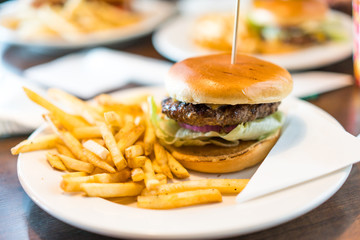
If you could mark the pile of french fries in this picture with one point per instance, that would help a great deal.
(109, 149)
(70, 21)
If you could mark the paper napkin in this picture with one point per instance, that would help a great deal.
(314, 82)
(311, 145)
(99, 70)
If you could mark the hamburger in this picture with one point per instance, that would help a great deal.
(285, 25)
(221, 117)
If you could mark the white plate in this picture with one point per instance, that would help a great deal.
(228, 218)
(155, 12)
(176, 47)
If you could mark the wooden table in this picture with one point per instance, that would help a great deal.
(338, 218)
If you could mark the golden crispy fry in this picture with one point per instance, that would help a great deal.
(98, 170)
(96, 148)
(129, 124)
(62, 149)
(133, 151)
(97, 162)
(76, 165)
(150, 180)
(161, 177)
(55, 161)
(176, 200)
(149, 137)
(78, 106)
(113, 119)
(137, 162)
(130, 137)
(176, 168)
(156, 167)
(74, 174)
(123, 200)
(69, 121)
(38, 143)
(161, 159)
(137, 174)
(69, 140)
(225, 186)
(87, 132)
(108, 190)
(72, 183)
(110, 143)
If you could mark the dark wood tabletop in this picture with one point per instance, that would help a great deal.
(338, 218)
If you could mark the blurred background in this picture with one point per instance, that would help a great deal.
(87, 47)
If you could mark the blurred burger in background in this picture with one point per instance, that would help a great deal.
(271, 26)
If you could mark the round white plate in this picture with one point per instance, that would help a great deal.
(224, 219)
(174, 41)
(155, 12)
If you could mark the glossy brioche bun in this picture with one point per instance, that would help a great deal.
(293, 12)
(212, 79)
(216, 159)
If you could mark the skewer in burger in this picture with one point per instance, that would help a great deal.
(221, 117)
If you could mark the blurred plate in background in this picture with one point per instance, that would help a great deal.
(154, 12)
(176, 47)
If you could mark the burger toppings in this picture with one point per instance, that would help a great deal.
(223, 117)
(174, 132)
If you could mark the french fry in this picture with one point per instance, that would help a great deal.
(129, 124)
(87, 132)
(72, 184)
(76, 165)
(69, 140)
(78, 106)
(182, 199)
(62, 149)
(176, 168)
(130, 137)
(96, 148)
(150, 180)
(162, 160)
(74, 174)
(156, 167)
(97, 162)
(161, 177)
(55, 161)
(149, 137)
(113, 119)
(38, 143)
(123, 200)
(225, 186)
(133, 151)
(108, 190)
(69, 121)
(137, 174)
(137, 162)
(110, 143)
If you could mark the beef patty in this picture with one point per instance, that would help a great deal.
(222, 115)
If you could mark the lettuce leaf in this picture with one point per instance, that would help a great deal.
(169, 131)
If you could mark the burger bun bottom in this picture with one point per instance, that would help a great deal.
(217, 159)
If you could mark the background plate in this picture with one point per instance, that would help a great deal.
(176, 47)
(155, 12)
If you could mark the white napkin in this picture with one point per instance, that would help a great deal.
(309, 147)
(91, 72)
(311, 83)
(18, 114)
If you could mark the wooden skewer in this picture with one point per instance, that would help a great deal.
(236, 24)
